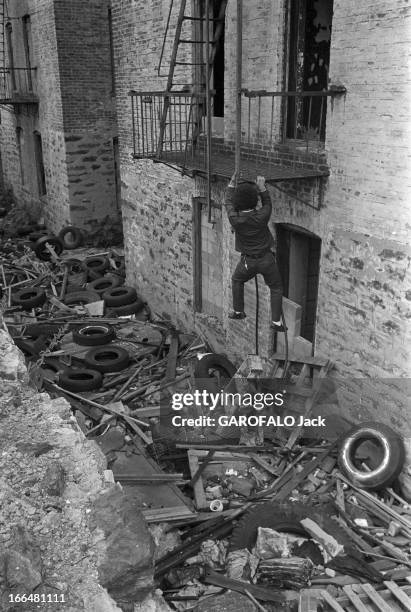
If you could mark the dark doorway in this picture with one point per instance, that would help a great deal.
(298, 255)
(308, 65)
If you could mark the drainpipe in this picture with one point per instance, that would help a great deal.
(239, 58)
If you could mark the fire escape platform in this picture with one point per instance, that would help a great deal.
(223, 167)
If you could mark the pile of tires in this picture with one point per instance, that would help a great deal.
(103, 357)
(122, 301)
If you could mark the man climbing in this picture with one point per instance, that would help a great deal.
(255, 242)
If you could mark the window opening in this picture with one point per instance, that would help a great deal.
(298, 256)
(308, 65)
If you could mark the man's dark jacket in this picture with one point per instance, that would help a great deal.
(252, 236)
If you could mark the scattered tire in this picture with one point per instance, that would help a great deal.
(107, 359)
(96, 264)
(209, 364)
(71, 237)
(41, 250)
(120, 296)
(75, 266)
(94, 335)
(105, 283)
(81, 297)
(29, 298)
(392, 461)
(283, 517)
(75, 379)
(128, 309)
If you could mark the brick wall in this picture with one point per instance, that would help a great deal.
(75, 114)
(360, 212)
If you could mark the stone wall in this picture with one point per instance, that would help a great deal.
(359, 212)
(75, 114)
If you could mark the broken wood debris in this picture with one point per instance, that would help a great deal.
(181, 480)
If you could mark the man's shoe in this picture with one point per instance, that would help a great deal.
(278, 328)
(237, 315)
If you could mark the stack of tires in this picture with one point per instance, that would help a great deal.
(103, 357)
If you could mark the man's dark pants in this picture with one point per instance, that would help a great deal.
(247, 268)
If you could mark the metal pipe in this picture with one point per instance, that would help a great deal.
(208, 108)
(239, 58)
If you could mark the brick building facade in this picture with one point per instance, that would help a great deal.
(342, 239)
(59, 135)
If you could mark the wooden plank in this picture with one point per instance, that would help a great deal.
(398, 594)
(172, 357)
(305, 371)
(310, 402)
(355, 600)
(201, 468)
(266, 466)
(298, 479)
(375, 598)
(333, 603)
(199, 493)
(309, 600)
(312, 361)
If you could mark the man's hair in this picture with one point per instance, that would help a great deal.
(245, 196)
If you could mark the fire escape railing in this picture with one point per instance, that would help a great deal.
(176, 138)
(278, 116)
(18, 85)
(269, 119)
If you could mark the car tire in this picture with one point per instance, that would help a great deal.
(213, 361)
(76, 239)
(120, 296)
(94, 335)
(283, 517)
(81, 297)
(103, 284)
(128, 309)
(29, 298)
(107, 359)
(392, 461)
(95, 266)
(76, 379)
(40, 247)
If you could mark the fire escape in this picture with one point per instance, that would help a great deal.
(174, 126)
(17, 85)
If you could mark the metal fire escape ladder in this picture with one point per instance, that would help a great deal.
(201, 70)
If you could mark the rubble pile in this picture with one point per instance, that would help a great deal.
(279, 519)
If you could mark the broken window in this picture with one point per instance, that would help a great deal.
(41, 176)
(298, 253)
(308, 65)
